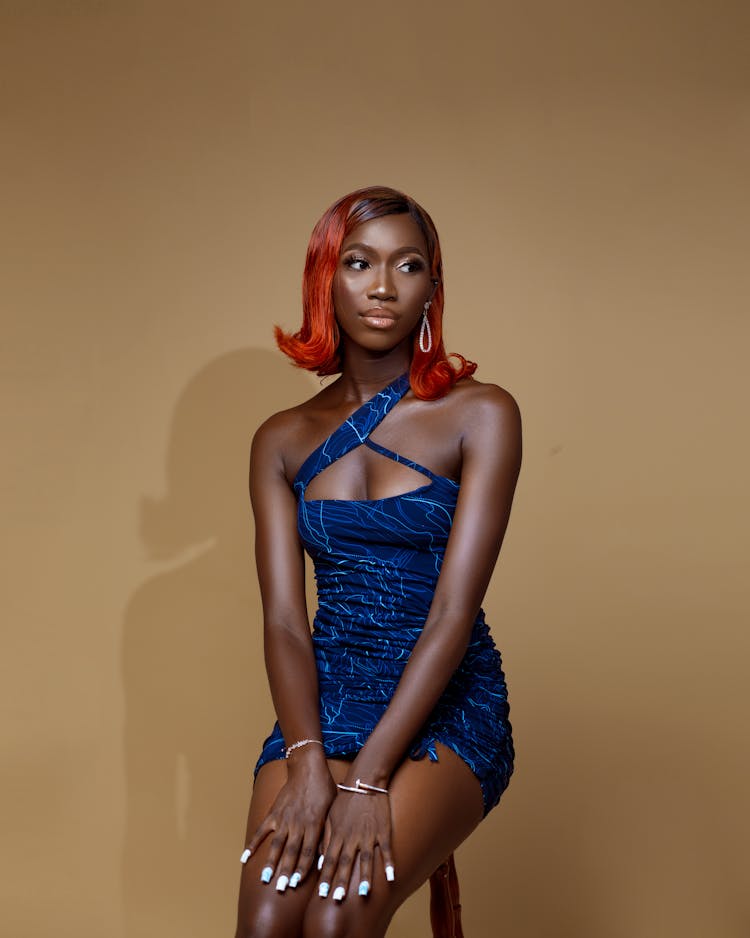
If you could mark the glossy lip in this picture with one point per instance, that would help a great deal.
(380, 312)
(379, 317)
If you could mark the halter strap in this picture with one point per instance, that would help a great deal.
(397, 457)
(352, 432)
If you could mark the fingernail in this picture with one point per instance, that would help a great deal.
(323, 889)
(390, 874)
(265, 876)
(281, 883)
(321, 860)
(295, 880)
(339, 893)
(245, 856)
(364, 887)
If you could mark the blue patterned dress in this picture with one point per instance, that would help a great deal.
(376, 564)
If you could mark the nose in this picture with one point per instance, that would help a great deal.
(382, 286)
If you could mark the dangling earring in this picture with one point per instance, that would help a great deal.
(425, 327)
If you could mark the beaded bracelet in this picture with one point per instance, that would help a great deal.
(362, 788)
(299, 744)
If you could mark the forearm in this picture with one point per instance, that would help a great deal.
(293, 679)
(294, 821)
(434, 658)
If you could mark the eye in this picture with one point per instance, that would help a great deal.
(411, 267)
(354, 262)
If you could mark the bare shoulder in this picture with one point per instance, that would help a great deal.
(276, 428)
(280, 435)
(479, 403)
(271, 438)
(491, 433)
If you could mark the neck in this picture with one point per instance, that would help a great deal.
(362, 376)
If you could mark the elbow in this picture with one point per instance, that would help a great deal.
(451, 629)
(285, 629)
(459, 617)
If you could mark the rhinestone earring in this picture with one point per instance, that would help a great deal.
(425, 328)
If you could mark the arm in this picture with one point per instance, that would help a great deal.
(492, 453)
(298, 814)
(492, 449)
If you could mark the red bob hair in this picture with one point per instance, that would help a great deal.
(316, 345)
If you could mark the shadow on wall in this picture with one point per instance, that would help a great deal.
(196, 697)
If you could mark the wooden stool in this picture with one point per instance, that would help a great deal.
(445, 904)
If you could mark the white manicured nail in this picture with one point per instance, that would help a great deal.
(390, 874)
(364, 887)
(281, 883)
(323, 889)
(339, 893)
(295, 880)
(246, 854)
(321, 861)
(265, 876)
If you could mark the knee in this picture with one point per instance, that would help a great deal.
(325, 919)
(265, 920)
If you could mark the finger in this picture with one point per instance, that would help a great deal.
(387, 854)
(330, 862)
(323, 846)
(258, 837)
(307, 856)
(365, 871)
(342, 875)
(274, 853)
(326, 836)
(288, 861)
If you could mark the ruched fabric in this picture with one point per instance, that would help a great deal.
(377, 563)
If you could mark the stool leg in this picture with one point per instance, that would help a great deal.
(445, 903)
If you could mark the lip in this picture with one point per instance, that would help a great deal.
(378, 317)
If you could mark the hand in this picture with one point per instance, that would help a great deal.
(356, 824)
(296, 821)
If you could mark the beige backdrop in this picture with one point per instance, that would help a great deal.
(163, 165)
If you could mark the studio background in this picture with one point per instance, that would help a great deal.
(162, 167)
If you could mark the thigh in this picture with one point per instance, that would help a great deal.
(261, 909)
(434, 807)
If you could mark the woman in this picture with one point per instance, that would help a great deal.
(347, 817)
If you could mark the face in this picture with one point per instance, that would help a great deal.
(382, 282)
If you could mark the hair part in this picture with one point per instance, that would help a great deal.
(316, 346)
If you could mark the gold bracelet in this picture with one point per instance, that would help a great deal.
(361, 788)
(361, 784)
(299, 744)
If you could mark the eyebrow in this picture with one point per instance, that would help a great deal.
(408, 249)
